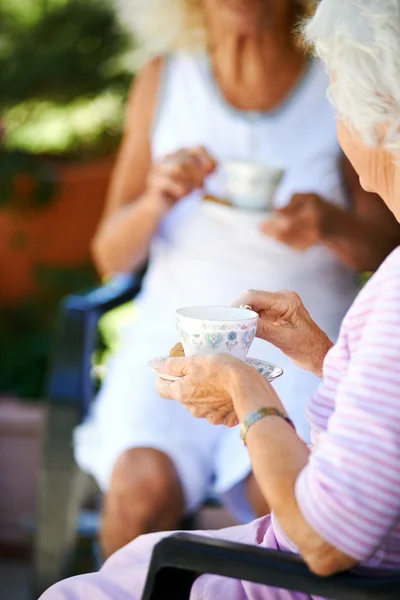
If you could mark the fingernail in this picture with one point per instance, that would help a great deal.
(158, 363)
(245, 306)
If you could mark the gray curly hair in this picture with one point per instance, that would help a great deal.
(359, 42)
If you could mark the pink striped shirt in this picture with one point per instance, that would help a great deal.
(349, 491)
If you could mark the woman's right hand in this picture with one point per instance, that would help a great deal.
(177, 175)
(285, 322)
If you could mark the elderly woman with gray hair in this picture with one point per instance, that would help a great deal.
(336, 503)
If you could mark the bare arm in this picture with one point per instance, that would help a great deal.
(278, 456)
(128, 224)
(142, 191)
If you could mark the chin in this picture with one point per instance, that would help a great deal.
(244, 16)
(366, 187)
(249, 26)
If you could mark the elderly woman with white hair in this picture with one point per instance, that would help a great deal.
(336, 503)
(230, 77)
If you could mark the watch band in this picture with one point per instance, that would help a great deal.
(258, 414)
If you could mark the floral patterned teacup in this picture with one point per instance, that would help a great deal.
(251, 185)
(222, 329)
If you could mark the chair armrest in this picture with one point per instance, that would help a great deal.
(70, 381)
(178, 560)
(120, 289)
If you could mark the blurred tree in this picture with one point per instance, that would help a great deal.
(70, 50)
(64, 76)
(63, 83)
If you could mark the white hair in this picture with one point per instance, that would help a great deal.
(359, 42)
(162, 26)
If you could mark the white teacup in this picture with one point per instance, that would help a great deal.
(251, 185)
(220, 329)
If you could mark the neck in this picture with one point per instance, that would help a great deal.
(256, 72)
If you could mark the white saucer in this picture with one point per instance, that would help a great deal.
(267, 370)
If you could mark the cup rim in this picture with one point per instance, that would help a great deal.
(250, 314)
(256, 165)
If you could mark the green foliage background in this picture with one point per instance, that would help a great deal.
(64, 77)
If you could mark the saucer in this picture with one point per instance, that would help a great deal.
(267, 370)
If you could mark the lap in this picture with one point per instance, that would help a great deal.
(123, 575)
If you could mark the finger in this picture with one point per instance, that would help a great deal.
(278, 225)
(227, 418)
(194, 171)
(299, 245)
(164, 388)
(188, 171)
(169, 390)
(257, 300)
(289, 238)
(296, 203)
(271, 306)
(177, 367)
(165, 185)
(179, 171)
(231, 420)
(197, 411)
(207, 162)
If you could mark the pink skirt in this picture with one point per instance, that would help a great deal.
(123, 576)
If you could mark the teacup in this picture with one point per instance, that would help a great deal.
(220, 329)
(251, 185)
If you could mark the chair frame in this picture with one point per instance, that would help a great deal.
(178, 560)
(62, 487)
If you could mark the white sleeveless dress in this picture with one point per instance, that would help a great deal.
(205, 253)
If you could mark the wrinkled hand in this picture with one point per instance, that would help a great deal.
(177, 175)
(300, 224)
(207, 384)
(285, 322)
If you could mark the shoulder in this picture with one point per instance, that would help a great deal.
(147, 80)
(142, 97)
(178, 66)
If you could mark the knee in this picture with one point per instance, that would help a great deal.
(144, 473)
(144, 496)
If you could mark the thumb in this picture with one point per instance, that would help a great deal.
(177, 367)
(256, 300)
(281, 221)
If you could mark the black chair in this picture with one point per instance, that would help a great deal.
(178, 560)
(70, 391)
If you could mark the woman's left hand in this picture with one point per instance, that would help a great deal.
(300, 224)
(209, 384)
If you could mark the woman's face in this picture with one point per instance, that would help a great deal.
(376, 167)
(247, 17)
